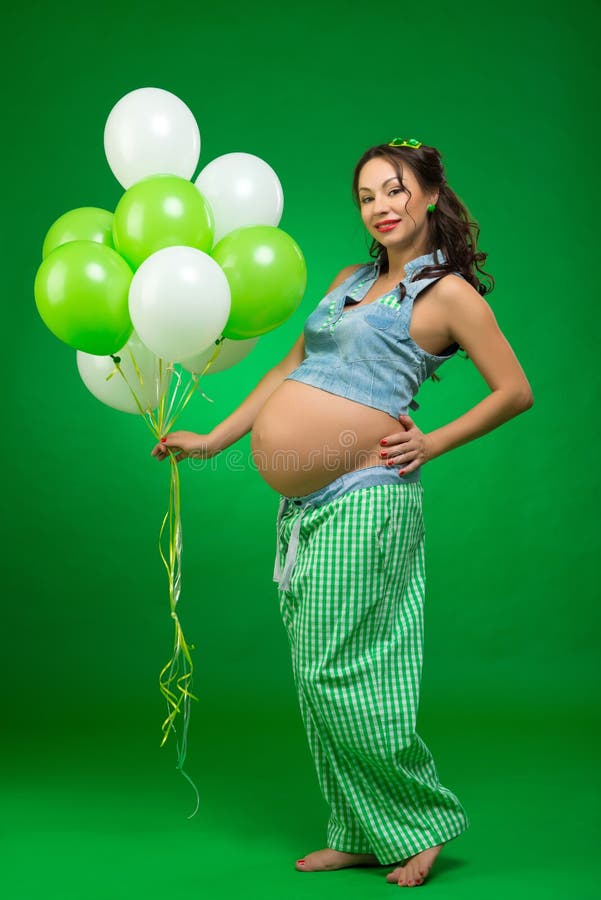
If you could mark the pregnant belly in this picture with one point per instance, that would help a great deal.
(305, 437)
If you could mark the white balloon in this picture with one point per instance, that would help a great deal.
(241, 189)
(230, 353)
(115, 392)
(179, 302)
(151, 132)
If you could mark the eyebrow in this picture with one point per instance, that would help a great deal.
(384, 183)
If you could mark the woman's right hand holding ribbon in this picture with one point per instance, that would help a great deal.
(184, 444)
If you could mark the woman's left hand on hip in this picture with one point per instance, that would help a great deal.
(408, 449)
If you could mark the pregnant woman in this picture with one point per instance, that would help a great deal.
(331, 434)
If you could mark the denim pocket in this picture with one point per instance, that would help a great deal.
(385, 318)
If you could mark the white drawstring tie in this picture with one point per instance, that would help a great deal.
(282, 576)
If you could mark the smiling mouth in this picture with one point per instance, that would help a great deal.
(387, 226)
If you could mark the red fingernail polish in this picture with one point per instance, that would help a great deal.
(300, 861)
(163, 440)
(402, 472)
(384, 442)
(389, 462)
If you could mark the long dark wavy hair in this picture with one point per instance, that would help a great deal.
(450, 227)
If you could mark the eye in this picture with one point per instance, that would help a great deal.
(396, 190)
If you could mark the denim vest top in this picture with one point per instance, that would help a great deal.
(366, 354)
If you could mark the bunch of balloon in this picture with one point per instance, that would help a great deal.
(178, 282)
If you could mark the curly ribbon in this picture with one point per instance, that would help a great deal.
(175, 679)
(174, 686)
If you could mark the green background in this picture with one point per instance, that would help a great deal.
(92, 808)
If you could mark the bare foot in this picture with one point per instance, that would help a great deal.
(328, 860)
(415, 869)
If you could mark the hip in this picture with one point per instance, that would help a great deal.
(369, 511)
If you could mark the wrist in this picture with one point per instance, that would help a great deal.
(432, 447)
(217, 440)
(209, 444)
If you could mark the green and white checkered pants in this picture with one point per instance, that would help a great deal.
(352, 602)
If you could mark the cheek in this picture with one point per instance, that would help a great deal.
(411, 208)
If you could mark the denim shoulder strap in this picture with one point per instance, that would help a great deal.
(352, 281)
(414, 288)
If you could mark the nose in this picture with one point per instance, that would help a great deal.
(381, 205)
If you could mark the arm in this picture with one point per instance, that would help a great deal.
(242, 419)
(240, 422)
(470, 322)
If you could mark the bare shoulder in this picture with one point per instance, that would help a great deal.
(343, 275)
(466, 316)
(455, 289)
(458, 299)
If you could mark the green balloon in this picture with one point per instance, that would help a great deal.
(81, 292)
(267, 276)
(87, 223)
(161, 211)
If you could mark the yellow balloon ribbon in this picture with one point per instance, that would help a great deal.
(175, 679)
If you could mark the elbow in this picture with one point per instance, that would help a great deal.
(516, 400)
(523, 400)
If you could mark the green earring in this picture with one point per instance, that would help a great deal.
(431, 207)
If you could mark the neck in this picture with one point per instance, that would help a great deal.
(399, 257)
